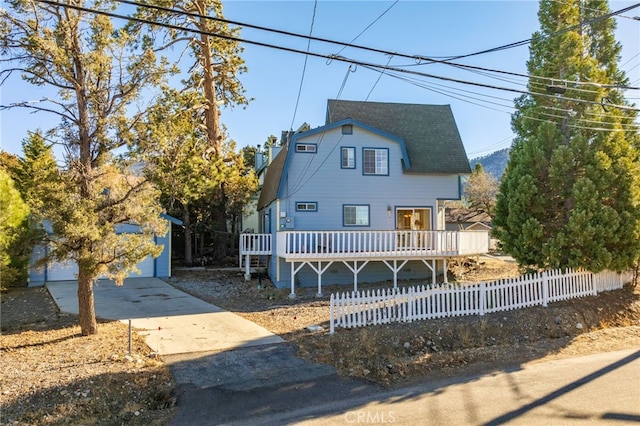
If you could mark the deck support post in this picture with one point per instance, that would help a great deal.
(445, 268)
(434, 271)
(395, 269)
(292, 295)
(247, 267)
(355, 269)
(320, 270)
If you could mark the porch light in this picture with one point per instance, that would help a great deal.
(389, 210)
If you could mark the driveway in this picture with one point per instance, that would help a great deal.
(173, 322)
(226, 367)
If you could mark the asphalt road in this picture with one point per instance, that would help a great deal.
(597, 389)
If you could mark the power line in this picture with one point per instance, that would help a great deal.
(369, 26)
(562, 31)
(304, 67)
(418, 58)
(331, 57)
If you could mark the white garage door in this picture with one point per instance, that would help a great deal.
(68, 271)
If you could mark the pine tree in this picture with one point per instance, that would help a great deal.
(13, 214)
(99, 71)
(214, 73)
(570, 196)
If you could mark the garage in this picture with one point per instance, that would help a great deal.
(68, 271)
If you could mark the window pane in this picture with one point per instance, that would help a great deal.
(376, 162)
(348, 158)
(356, 215)
(381, 161)
(369, 161)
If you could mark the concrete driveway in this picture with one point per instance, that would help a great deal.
(173, 322)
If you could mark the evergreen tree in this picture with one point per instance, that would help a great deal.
(213, 72)
(570, 196)
(13, 215)
(99, 71)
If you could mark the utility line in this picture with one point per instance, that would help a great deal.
(465, 98)
(421, 59)
(304, 67)
(559, 32)
(332, 57)
(368, 26)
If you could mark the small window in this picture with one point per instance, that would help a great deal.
(348, 155)
(307, 207)
(375, 161)
(347, 129)
(306, 147)
(355, 215)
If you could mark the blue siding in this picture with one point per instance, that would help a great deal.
(338, 273)
(322, 179)
(162, 264)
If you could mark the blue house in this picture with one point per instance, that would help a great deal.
(68, 271)
(360, 199)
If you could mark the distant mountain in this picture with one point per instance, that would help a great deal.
(494, 163)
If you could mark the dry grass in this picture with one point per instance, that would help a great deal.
(51, 374)
(400, 353)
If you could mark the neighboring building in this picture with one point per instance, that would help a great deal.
(68, 271)
(463, 219)
(360, 199)
(460, 219)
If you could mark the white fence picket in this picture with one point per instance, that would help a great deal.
(382, 306)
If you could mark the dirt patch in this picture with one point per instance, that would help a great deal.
(397, 354)
(53, 375)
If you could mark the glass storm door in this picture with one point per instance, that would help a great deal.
(412, 219)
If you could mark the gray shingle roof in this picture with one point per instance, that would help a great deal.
(429, 131)
(269, 190)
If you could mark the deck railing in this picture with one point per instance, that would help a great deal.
(359, 244)
(255, 244)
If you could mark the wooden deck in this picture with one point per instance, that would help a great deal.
(319, 249)
(343, 245)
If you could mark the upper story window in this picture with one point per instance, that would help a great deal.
(307, 206)
(354, 215)
(306, 147)
(347, 129)
(348, 158)
(375, 161)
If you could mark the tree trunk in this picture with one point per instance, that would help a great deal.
(86, 310)
(188, 245)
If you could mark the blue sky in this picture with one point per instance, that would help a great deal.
(426, 28)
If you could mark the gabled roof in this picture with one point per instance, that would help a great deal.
(430, 132)
(272, 178)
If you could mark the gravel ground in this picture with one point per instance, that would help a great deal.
(53, 375)
(396, 354)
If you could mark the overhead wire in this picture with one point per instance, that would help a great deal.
(332, 57)
(368, 26)
(421, 59)
(461, 94)
(304, 67)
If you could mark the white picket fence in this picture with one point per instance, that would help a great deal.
(381, 306)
